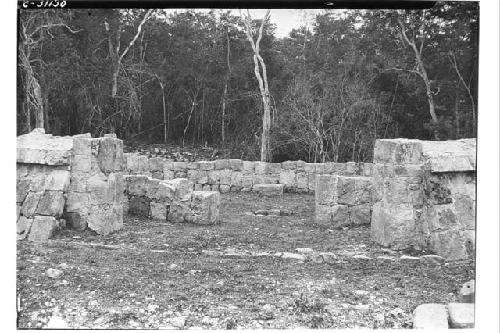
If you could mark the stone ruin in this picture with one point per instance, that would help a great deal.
(421, 196)
(170, 200)
(77, 182)
(416, 195)
(68, 181)
(343, 201)
(234, 175)
(425, 196)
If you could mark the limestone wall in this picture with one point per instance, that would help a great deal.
(238, 175)
(68, 181)
(424, 196)
(170, 200)
(343, 201)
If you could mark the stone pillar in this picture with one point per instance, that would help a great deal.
(94, 198)
(425, 196)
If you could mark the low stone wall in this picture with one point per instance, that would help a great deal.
(237, 175)
(68, 181)
(343, 201)
(170, 200)
(425, 196)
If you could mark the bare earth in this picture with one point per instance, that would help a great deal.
(161, 275)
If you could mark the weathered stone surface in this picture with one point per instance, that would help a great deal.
(450, 244)
(178, 212)
(40, 148)
(360, 214)
(289, 165)
(192, 165)
(206, 165)
(302, 180)
(31, 203)
(221, 164)
(105, 219)
(77, 202)
(180, 166)
(323, 214)
(468, 292)
(82, 145)
(398, 151)
(269, 189)
(23, 227)
(224, 188)
(393, 225)
(158, 210)
(81, 163)
(205, 207)
(461, 315)
(248, 167)
(450, 156)
(354, 190)
(465, 211)
(136, 185)
(441, 217)
(155, 164)
(78, 181)
(430, 317)
(288, 178)
(51, 204)
(110, 154)
(236, 164)
(58, 180)
(22, 188)
(340, 216)
(183, 187)
(326, 189)
(163, 192)
(42, 228)
(261, 167)
(101, 189)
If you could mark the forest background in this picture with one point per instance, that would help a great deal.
(189, 78)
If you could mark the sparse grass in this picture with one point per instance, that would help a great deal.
(153, 272)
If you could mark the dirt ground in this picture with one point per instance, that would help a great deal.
(162, 275)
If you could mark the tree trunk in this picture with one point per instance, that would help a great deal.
(263, 85)
(266, 127)
(423, 74)
(223, 116)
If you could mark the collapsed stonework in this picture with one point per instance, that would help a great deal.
(425, 195)
(237, 175)
(170, 200)
(68, 181)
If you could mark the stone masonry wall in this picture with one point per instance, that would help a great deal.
(170, 200)
(424, 196)
(343, 201)
(94, 197)
(237, 175)
(67, 181)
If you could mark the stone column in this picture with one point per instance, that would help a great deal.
(425, 196)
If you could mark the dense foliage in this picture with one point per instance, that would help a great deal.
(335, 87)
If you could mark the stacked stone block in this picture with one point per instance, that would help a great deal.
(342, 201)
(68, 181)
(94, 197)
(170, 200)
(236, 175)
(425, 196)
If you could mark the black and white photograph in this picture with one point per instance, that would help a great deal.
(236, 165)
